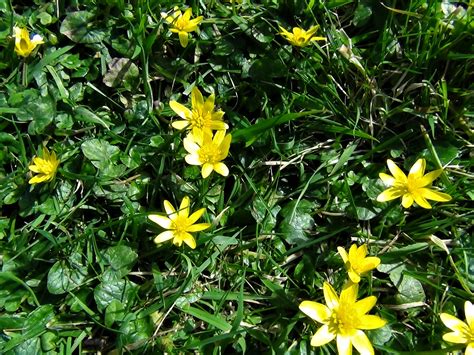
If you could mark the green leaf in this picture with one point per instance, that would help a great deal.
(65, 276)
(35, 324)
(297, 221)
(122, 72)
(121, 290)
(410, 290)
(79, 27)
(210, 319)
(32, 106)
(362, 13)
(101, 153)
(114, 312)
(135, 331)
(121, 259)
(82, 113)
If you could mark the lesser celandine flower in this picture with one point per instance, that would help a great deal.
(462, 332)
(45, 166)
(343, 318)
(202, 114)
(179, 224)
(356, 261)
(23, 44)
(182, 23)
(300, 37)
(414, 188)
(207, 150)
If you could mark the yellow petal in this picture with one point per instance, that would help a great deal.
(34, 168)
(366, 304)
(181, 110)
(429, 178)
(312, 30)
(187, 14)
(163, 237)
(190, 146)
(390, 194)
(183, 38)
(197, 101)
(453, 323)
(362, 343)
(397, 173)
(180, 124)
(38, 178)
(407, 200)
(470, 349)
(362, 251)
(284, 32)
(349, 293)
(192, 25)
(218, 137)
(196, 215)
(418, 169)
(218, 125)
(344, 345)
(184, 207)
(353, 252)
(387, 179)
(469, 312)
(189, 240)
(162, 221)
(170, 210)
(368, 321)
(455, 337)
(209, 104)
(353, 275)
(322, 336)
(330, 296)
(198, 227)
(420, 200)
(206, 170)
(193, 159)
(316, 311)
(368, 264)
(221, 169)
(434, 195)
(225, 146)
(342, 252)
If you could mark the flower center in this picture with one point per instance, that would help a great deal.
(180, 224)
(47, 167)
(209, 153)
(301, 39)
(24, 45)
(412, 184)
(344, 319)
(200, 118)
(181, 23)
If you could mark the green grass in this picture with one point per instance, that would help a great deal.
(312, 128)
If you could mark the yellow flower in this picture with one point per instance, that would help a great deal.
(23, 44)
(46, 167)
(179, 224)
(343, 318)
(182, 23)
(300, 37)
(414, 188)
(462, 332)
(356, 262)
(202, 114)
(207, 150)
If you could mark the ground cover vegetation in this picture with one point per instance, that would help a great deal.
(245, 176)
